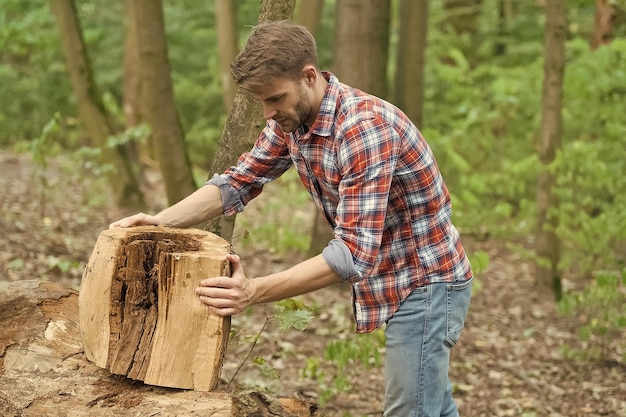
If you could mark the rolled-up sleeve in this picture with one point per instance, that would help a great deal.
(230, 197)
(339, 259)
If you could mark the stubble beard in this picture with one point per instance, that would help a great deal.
(302, 112)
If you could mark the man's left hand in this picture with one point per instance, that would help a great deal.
(226, 296)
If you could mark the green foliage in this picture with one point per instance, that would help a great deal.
(294, 313)
(345, 357)
(42, 148)
(284, 212)
(591, 187)
(591, 184)
(602, 309)
(480, 123)
(62, 265)
(33, 83)
(479, 261)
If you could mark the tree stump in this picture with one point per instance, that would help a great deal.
(138, 312)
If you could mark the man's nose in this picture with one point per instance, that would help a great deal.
(268, 111)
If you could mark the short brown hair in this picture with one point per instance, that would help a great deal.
(274, 50)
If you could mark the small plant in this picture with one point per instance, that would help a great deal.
(341, 355)
(602, 307)
(292, 314)
(64, 266)
(40, 151)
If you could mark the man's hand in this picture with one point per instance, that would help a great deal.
(139, 219)
(226, 296)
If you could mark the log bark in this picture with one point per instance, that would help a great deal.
(44, 372)
(151, 326)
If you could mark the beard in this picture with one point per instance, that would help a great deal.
(301, 114)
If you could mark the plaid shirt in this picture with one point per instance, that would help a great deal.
(375, 178)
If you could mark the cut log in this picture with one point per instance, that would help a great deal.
(43, 371)
(139, 315)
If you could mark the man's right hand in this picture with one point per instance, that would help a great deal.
(139, 219)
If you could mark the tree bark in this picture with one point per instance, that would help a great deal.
(227, 35)
(132, 80)
(151, 326)
(123, 179)
(409, 79)
(362, 44)
(547, 245)
(138, 152)
(158, 101)
(245, 121)
(603, 24)
(309, 14)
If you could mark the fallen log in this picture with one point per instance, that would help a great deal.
(44, 371)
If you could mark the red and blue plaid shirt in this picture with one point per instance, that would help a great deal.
(374, 177)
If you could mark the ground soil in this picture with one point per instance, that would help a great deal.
(509, 361)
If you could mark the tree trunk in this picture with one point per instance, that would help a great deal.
(362, 44)
(603, 24)
(123, 179)
(151, 326)
(138, 152)
(409, 87)
(309, 14)
(132, 80)
(245, 121)
(43, 371)
(547, 245)
(225, 20)
(158, 101)
(505, 13)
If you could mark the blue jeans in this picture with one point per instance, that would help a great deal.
(419, 338)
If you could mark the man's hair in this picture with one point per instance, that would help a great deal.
(274, 50)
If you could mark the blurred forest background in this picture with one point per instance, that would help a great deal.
(522, 101)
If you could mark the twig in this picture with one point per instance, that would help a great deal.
(256, 339)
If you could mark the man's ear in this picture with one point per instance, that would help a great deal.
(309, 74)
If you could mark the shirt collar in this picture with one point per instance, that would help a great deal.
(323, 124)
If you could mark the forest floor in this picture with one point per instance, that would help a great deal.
(509, 360)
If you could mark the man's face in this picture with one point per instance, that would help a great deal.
(286, 101)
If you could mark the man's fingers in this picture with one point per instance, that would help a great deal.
(226, 296)
(139, 219)
(215, 283)
(235, 262)
(220, 306)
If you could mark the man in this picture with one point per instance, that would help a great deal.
(375, 178)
